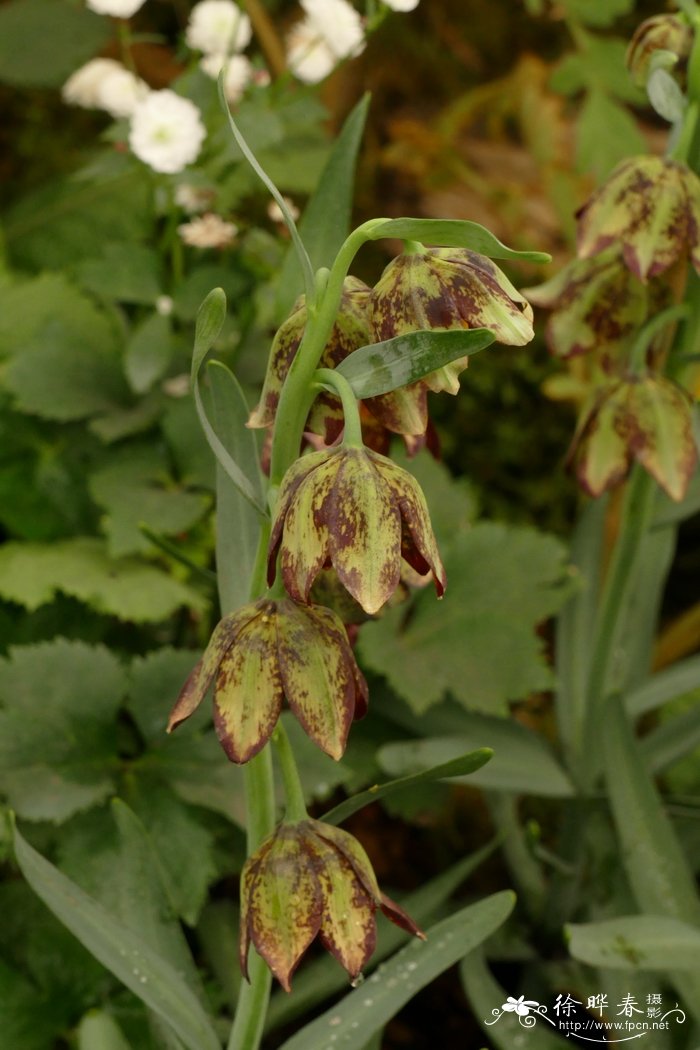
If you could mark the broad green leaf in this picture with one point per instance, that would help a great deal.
(381, 367)
(123, 952)
(452, 233)
(606, 134)
(135, 487)
(59, 703)
(317, 981)
(480, 642)
(356, 1017)
(27, 1020)
(636, 942)
(326, 219)
(522, 761)
(194, 460)
(599, 65)
(43, 41)
(598, 12)
(149, 352)
(237, 521)
(51, 304)
(124, 272)
(32, 574)
(99, 1031)
(154, 681)
(456, 767)
(666, 685)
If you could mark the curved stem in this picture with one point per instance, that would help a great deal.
(293, 790)
(339, 385)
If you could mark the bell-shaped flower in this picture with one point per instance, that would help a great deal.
(267, 652)
(357, 511)
(448, 288)
(650, 208)
(644, 418)
(312, 879)
(667, 36)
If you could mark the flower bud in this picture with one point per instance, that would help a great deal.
(269, 651)
(361, 513)
(644, 418)
(650, 208)
(311, 879)
(448, 288)
(662, 33)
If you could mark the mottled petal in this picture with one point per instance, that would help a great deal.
(248, 693)
(348, 846)
(297, 473)
(364, 530)
(664, 433)
(306, 544)
(331, 622)
(196, 686)
(348, 927)
(403, 411)
(396, 914)
(249, 874)
(283, 351)
(601, 451)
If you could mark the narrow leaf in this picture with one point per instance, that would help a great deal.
(672, 740)
(636, 942)
(367, 1008)
(210, 321)
(453, 233)
(143, 972)
(664, 686)
(456, 767)
(382, 367)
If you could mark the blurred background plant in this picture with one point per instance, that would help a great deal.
(125, 202)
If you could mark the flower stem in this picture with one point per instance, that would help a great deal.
(293, 790)
(328, 379)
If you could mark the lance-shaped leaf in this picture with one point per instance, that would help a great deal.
(453, 233)
(650, 207)
(636, 942)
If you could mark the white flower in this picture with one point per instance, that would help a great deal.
(239, 73)
(115, 8)
(332, 30)
(193, 198)
(164, 305)
(274, 211)
(209, 231)
(309, 56)
(166, 131)
(105, 84)
(218, 27)
(402, 5)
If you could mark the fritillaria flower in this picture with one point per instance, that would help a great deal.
(267, 652)
(668, 34)
(645, 418)
(312, 879)
(650, 208)
(361, 513)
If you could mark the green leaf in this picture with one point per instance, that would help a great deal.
(455, 767)
(210, 321)
(599, 65)
(123, 952)
(326, 220)
(636, 942)
(124, 272)
(606, 134)
(381, 367)
(666, 685)
(57, 727)
(598, 12)
(27, 1020)
(522, 761)
(99, 1031)
(364, 1010)
(135, 488)
(237, 521)
(149, 352)
(480, 642)
(673, 739)
(32, 574)
(43, 41)
(452, 233)
(666, 96)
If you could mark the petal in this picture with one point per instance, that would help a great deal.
(284, 905)
(292, 480)
(305, 542)
(601, 452)
(364, 530)
(282, 353)
(352, 851)
(201, 677)
(348, 926)
(403, 411)
(248, 693)
(664, 442)
(396, 914)
(332, 623)
(248, 876)
(316, 674)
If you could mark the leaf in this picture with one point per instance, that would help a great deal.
(43, 41)
(598, 65)
(452, 233)
(210, 321)
(666, 685)
(479, 643)
(99, 1031)
(636, 942)
(666, 96)
(123, 952)
(135, 488)
(606, 134)
(237, 521)
(57, 727)
(32, 574)
(598, 12)
(326, 220)
(149, 352)
(27, 1021)
(522, 761)
(673, 739)
(50, 303)
(124, 272)
(364, 1010)
(382, 367)
(455, 767)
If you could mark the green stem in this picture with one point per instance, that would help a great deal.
(293, 790)
(328, 379)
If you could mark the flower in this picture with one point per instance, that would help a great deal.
(645, 418)
(331, 31)
(274, 211)
(666, 38)
(105, 84)
(208, 231)
(359, 511)
(166, 131)
(193, 199)
(401, 5)
(264, 653)
(520, 1006)
(237, 76)
(650, 207)
(115, 8)
(312, 879)
(218, 27)
(447, 288)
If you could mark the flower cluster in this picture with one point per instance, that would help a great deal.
(633, 234)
